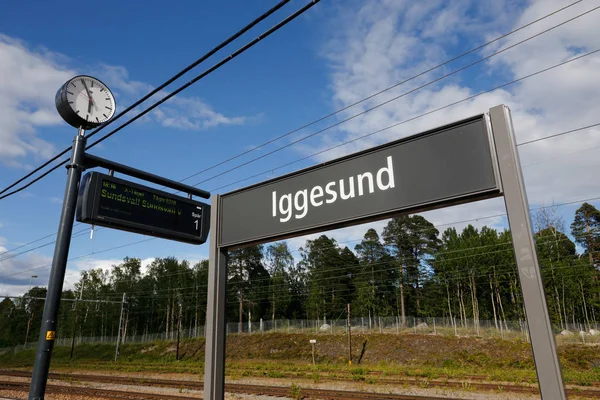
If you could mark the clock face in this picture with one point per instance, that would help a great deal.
(84, 101)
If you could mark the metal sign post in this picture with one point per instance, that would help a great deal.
(469, 160)
(57, 273)
(214, 367)
(546, 360)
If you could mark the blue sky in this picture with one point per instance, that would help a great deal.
(336, 53)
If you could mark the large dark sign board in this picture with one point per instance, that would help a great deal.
(112, 202)
(441, 167)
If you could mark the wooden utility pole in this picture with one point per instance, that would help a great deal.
(75, 320)
(349, 338)
(28, 326)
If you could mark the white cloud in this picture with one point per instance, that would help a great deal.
(179, 112)
(16, 273)
(193, 114)
(29, 80)
(73, 274)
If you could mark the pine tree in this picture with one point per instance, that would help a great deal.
(279, 262)
(412, 240)
(586, 230)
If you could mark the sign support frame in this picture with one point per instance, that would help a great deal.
(214, 366)
(543, 344)
(511, 185)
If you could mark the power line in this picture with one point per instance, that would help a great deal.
(558, 134)
(14, 255)
(80, 257)
(392, 99)
(147, 96)
(379, 92)
(417, 117)
(224, 61)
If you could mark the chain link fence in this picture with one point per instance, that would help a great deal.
(488, 329)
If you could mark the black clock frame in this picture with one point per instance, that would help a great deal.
(67, 112)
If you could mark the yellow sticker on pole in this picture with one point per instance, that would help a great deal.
(50, 335)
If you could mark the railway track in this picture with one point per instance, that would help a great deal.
(308, 393)
(246, 389)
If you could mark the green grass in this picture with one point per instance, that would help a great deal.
(289, 355)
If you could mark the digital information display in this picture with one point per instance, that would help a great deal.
(115, 203)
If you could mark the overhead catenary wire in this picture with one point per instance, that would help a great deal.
(14, 255)
(392, 99)
(339, 110)
(224, 61)
(558, 134)
(417, 117)
(322, 118)
(344, 143)
(327, 116)
(451, 276)
(408, 259)
(150, 239)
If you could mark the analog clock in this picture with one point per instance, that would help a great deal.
(85, 102)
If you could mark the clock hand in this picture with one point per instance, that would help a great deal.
(86, 89)
(89, 97)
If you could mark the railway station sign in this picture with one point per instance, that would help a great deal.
(465, 161)
(441, 167)
(116, 203)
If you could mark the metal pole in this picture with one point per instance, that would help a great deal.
(349, 338)
(543, 344)
(75, 320)
(57, 273)
(214, 365)
(73, 333)
(178, 331)
(120, 327)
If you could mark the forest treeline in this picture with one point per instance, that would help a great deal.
(412, 269)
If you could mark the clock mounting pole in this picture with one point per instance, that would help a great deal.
(57, 273)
